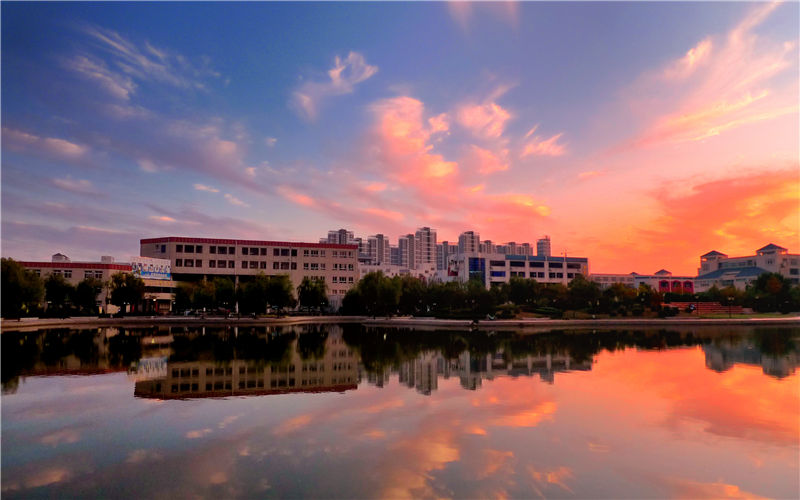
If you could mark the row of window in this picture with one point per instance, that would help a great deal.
(521, 263)
(276, 252)
(67, 273)
(342, 279)
(533, 274)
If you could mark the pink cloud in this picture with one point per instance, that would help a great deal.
(708, 92)
(488, 162)
(543, 147)
(484, 120)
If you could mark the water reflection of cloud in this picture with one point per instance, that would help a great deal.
(545, 477)
(196, 434)
(293, 424)
(683, 488)
(62, 436)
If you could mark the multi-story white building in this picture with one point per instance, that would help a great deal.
(443, 251)
(543, 247)
(378, 250)
(425, 247)
(717, 269)
(407, 246)
(469, 242)
(159, 287)
(496, 269)
(197, 258)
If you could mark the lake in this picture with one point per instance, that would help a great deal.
(346, 411)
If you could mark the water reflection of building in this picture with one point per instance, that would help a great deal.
(423, 372)
(721, 356)
(336, 371)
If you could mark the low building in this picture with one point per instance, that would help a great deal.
(159, 287)
(193, 259)
(496, 269)
(662, 281)
(717, 269)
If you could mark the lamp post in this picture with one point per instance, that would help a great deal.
(730, 305)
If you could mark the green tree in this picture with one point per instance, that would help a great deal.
(380, 294)
(58, 292)
(583, 293)
(312, 294)
(224, 292)
(126, 289)
(522, 291)
(86, 294)
(279, 292)
(770, 292)
(412, 292)
(22, 290)
(253, 294)
(204, 295)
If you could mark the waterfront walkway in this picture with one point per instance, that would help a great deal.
(27, 324)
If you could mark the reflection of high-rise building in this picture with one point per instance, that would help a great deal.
(723, 355)
(337, 370)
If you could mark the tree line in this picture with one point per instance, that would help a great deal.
(25, 294)
(254, 296)
(379, 295)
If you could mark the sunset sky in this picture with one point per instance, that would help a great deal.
(640, 135)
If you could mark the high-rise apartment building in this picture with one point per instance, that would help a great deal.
(407, 247)
(425, 248)
(378, 250)
(469, 242)
(543, 247)
(443, 251)
(339, 237)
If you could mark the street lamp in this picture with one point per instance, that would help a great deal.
(730, 305)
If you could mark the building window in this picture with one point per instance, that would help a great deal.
(163, 248)
(573, 265)
(253, 264)
(263, 251)
(244, 250)
(231, 264)
(188, 263)
(178, 262)
(305, 253)
(231, 250)
(322, 266)
(276, 252)
(284, 266)
(68, 273)
(222, 264)
(188, 248)
(537, 264)
(556, 265)
(198, 249)
(212, 249)
(284, 252)
(350, 279)
(98, 274)
(294, 266)
(179, 248)
(552, 275)
(198, 263)
(212, 263)
(294, 252)
(559, 275)
(276, 265)
(263, 265)
(88, 274)
(223, 250)
(244, 264)
(305, 266)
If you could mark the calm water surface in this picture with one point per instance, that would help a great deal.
(346, 411)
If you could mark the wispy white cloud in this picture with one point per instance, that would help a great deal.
(118, 85)
(148, 63)
(270, 141)
(18, 140)
(235, 201)
(539, 146)
(80, 186)
(203, 187)
(342, 79)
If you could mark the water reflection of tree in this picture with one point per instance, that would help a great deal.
(311, 343)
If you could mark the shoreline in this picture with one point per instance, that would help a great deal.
(425, 323)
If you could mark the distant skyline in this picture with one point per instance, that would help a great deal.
(640, 135)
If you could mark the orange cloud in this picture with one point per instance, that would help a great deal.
(695, 489)
(295, 197)
(735, 215)
(486, 161)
